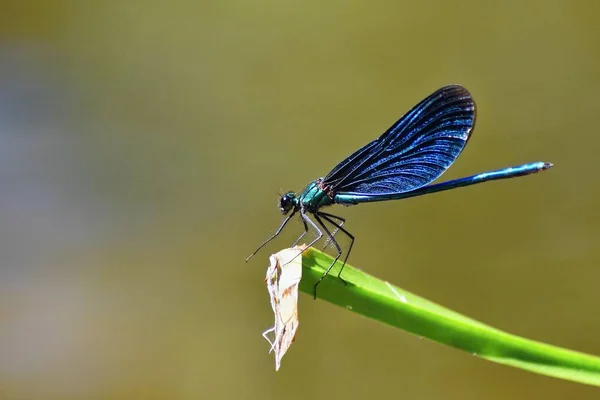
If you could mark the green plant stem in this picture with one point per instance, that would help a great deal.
(377, 299)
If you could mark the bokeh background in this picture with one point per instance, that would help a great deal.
(142, 146)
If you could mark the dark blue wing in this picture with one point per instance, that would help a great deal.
(414, 151)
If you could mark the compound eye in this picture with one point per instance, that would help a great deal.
(286, 203)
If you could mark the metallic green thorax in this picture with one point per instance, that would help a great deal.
(313, 197)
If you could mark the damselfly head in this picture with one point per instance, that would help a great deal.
(287, 202)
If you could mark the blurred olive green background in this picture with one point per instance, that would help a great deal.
(142, 146)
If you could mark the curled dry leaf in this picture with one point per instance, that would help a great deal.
(283, 277)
